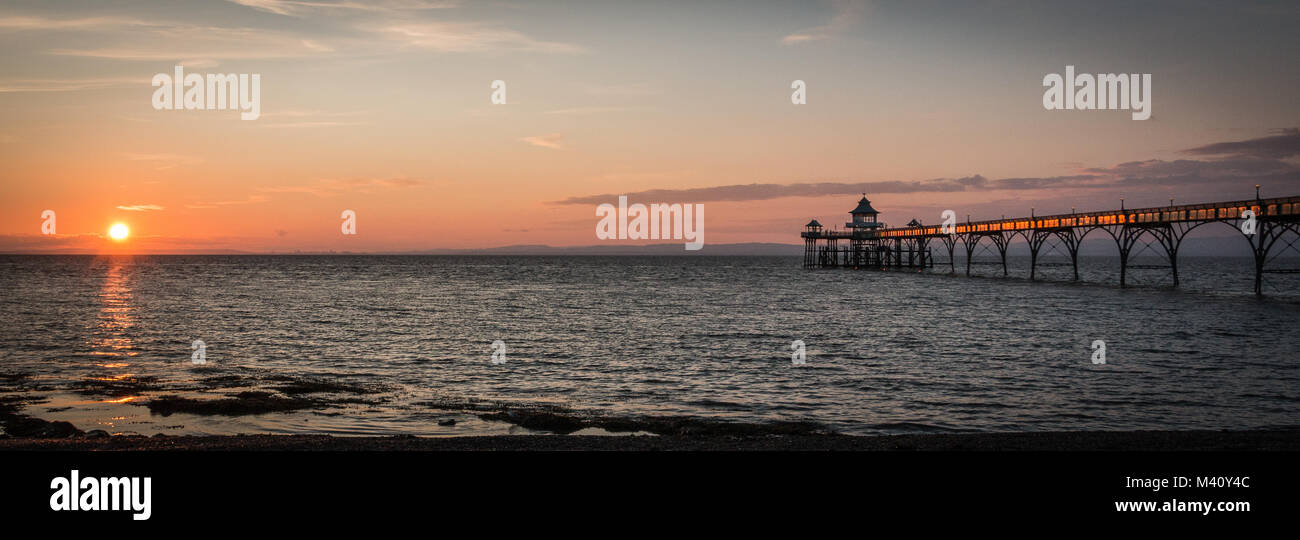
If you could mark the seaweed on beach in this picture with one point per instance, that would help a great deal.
(562, 421)
(241, 404)
(126, 386)
(15, 381)
(289, 384)
(540, 420)
(672, 425)
(12, 404)
(223, 381)
(13, 377)
(316, 386)
(14, 424)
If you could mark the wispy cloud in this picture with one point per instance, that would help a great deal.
(586, 110)
(848, 13)
(202, 46)
(252, 199)
(628, 90)
(331, 187)
(445, 36)
(322, 123)
(140, 208)
(298, 118)
(553, 141)
(367, 29)
(300, 8)
(67, 85)
(321, 188)
(84, 23)
(313, 113)
(163, 161)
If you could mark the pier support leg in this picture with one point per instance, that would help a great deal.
(970, 241)
(1033, 262)
(1170, 239)
(1001, 241)
(1036, 240)
(950, 242)
(1124, 247)
(1071, 239)
(1126, 237)
(1261, 243)
(1259, 275)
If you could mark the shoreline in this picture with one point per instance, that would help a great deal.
(1056, 441)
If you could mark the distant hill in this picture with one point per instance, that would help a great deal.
(1097, 244)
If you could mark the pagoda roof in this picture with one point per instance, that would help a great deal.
(864, 207)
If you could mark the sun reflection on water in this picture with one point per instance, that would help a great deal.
(116, 316)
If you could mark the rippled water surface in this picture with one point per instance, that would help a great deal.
(627, 336)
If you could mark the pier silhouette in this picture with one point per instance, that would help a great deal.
(1270, 226)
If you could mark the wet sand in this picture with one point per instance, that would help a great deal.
(1046, 441)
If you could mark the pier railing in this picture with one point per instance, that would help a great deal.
(1232, 210)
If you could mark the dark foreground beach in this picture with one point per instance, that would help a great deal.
(1154, 441)
(555, 430)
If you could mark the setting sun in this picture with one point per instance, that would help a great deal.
(118, 231)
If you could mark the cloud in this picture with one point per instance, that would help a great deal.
(135, 39)
(312, 124)
(163, 161)
(640, 89)
(1285, 145)
(332, 187)
(278, 7)
(309, 113)
(140, 207)
(68, 85)
(848, 13)
(1240, 168)
(321, 188)
(300, 8)
(202, 46)
(85, 23)
(313, 118)
(586, 110)
(1190, 167)
(398, 22)
(759, 192)
(252, 199)
(356, 29)
(445, 36)
(552, 141)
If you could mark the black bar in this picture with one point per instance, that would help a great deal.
(1014, 489)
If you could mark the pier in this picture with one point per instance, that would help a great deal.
(1270, 226)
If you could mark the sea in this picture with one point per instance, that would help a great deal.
(426, 345)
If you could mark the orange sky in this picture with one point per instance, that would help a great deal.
(385, 109)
